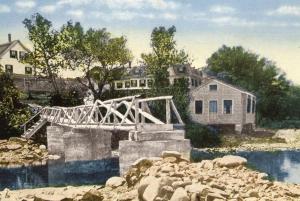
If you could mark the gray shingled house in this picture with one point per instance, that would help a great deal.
(217, 103)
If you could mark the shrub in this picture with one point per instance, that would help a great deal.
(12, 112)
(202, 136)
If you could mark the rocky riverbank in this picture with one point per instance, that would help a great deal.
(280, 140)
(173, 178)
(17, 152)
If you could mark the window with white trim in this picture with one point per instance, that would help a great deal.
(198, 107)
(13, 54)
(9, 69)
(213, 106)
(249, 104)
(28, 70)
(227, 106)
(213, 87)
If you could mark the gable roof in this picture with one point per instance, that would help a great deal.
(5, 47)
(211, 79)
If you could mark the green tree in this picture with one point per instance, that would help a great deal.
(253, 73)
(95, 52)
(164, 54)
(47, 46)
(12, 112)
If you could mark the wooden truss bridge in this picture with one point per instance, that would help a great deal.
(130, 113)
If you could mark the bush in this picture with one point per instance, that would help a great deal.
(202, 136)
(12, 112)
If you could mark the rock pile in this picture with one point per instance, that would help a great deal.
(17, 152)
(174, 178)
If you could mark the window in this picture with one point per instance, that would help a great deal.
(193, 82)
(119, 85)
(181, 69)
(133, 83)
(9, 69)
(213, 87)
(13, 54)
(142, 83)
(213, 106)
(196, 83)
(22, 54)
(253, 106)
(28, 70)
(127, 84)
(227, 104)
(150, 83)
(198, 107)
(249, 104)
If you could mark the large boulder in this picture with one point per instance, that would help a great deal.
(230, 161)
(180, 195)
(115, 182)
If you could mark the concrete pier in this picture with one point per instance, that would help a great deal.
(87, 144)
(79, 144)
(55, 140)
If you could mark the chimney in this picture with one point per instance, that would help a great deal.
(129, 64)
(9, 37)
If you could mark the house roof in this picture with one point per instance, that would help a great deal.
(7, 46)
(208, 80)
(179, 69)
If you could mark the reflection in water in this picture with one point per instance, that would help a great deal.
(280, 165)
(59, 173)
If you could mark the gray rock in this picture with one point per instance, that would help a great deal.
(230, 161)
(180, 195)
(171, 154)
(115, 182)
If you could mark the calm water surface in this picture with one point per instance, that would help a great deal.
(280, 165)
(59, 173)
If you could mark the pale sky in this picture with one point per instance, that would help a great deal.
(270, 28)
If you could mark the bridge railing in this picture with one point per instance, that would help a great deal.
(122, 113)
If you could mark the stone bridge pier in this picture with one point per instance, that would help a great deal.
(78, 144)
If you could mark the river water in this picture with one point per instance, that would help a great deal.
(279, 165)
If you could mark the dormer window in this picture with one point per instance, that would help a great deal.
(213, 87)
(13, 54)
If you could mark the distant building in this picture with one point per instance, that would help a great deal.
(217, 103)
(137, 77)
(10, 55)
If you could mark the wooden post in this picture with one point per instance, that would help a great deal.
(168, 111)
(137, 115)
(143, 110)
